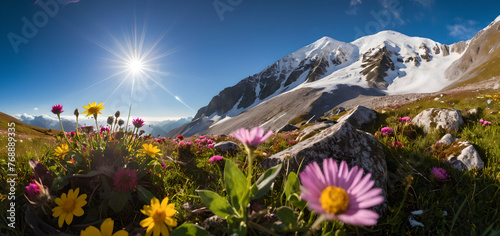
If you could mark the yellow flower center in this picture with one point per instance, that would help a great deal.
(159, 217)
(69, 205)
(93, 110)
(334, 200)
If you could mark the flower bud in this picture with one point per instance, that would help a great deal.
(117, 114)
(121, 122)
(110, 120)
(76, 112)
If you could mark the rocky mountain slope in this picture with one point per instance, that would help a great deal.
(320, 76)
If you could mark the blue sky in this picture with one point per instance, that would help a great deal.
(61, 51)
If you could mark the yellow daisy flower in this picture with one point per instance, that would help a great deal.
(68, 206)
(62, 150)
(106, 230)
(93, 109)
(160, 217)
(149, 149)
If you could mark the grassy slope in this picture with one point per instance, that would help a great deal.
(25, 129)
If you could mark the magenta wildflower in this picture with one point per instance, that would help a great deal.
(210, 146)
(210, 141)
(292, 142)
(252, 138)
(439, 174)
(216, 158)
(198, 152)
(138, 122)
(57, 109)
(124, 180)
(202, 137)
(104, 129)
(397, 144)
(405, 119)
(339, 193)
(32, 190)
(181, 143)
(386, 131)
(180, 137)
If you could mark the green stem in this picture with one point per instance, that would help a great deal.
(128, 117)
(97, 130)
(62, 128)
(76, 131)
(250, 165)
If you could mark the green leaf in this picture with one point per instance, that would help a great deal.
(237, 226)
(296, 202)
(263, 184)
(217, 204)
(117, 201)
(59, 183)
(144, 194)
(287, 216)
(236, 184)
(189, 229)
(292, 185)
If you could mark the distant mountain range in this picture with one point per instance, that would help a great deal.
(155, 128)
(316, 78)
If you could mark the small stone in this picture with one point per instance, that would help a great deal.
(226, 146)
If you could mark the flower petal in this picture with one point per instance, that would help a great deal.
(90, 231)
(78, 211)
(146, 222)
(359, 217)
(69, 218)
(121, 233)
(107, 227)
(371, 202)
(60, 221)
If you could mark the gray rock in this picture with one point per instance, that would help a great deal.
(435, 118)
(226, 146)
(359, 116)
(213, 223)
(288, 128)
(472, 111)
(341, 142)
(467, 159)
(339, 110)
(316, 127)
(447, 139)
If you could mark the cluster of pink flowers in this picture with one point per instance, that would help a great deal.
(405, 119)
(296, 133)
(439, 174)
(484, 122)
(203, 142)
(216, 158)
(292, 142)
(386, 131)
(104, 129)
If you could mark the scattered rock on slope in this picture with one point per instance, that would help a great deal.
(462, 155)
(341, 142)
(435, 118)
(359, 116)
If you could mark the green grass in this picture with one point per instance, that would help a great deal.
(468, 203)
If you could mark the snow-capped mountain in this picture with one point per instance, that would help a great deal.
(327, 72)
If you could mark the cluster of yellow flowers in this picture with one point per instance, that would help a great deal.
(160, 215)
(496, 98)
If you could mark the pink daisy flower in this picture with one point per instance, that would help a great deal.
(252, 138)
(124, 180)
(405, 119)
(439, 174)
(57, 109)
(216, 158)
(138, 122)
(339, 193)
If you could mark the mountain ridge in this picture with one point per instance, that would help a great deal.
(387, 62)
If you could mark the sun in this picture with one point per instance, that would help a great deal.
(136, 66)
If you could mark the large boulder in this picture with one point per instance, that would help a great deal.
(434, 118)
(359, 116)
(341, 142)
